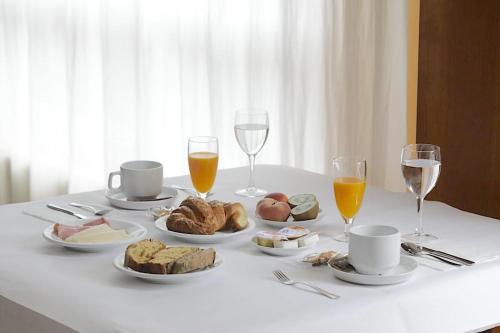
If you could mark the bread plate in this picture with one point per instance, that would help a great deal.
(136, 232)
(281, 252)
(118, 262)
(290, 222)
(218, 237)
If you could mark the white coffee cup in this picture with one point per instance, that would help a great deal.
(139, 179)
(374, 249)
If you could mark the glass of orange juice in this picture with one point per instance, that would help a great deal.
(203, 157)
(349, 185)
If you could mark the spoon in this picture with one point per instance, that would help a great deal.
(340, 262)
(415, 251)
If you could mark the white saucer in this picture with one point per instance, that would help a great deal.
(118, 262)
(218, 237)
(401, 273)
(281, 252)
(290, 222)
(118, 199)
(136, 232)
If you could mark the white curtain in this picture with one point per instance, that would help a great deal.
(86, 85)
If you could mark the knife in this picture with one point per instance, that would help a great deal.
(466, 262)
(67, 211)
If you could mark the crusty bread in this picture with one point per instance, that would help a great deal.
(193, 261)
(152, 256)
(163, 260)
(138, 254)
(236, 216)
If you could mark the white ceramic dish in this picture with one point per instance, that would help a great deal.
(280, 252)
(401, 273)
(218, 237)
(136, 232)
(118, 199)
(118, 262)
(291, 222)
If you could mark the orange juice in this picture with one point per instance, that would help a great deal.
(349, 193)
(203, 169)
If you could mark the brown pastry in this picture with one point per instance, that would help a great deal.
(219, 213)
(194, 216)
(236, 216)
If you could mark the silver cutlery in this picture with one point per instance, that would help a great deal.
(418, 248)
(341, 263)
(67, 211)
(95, 211)
(189, 190)
(283, 278)
(413, 252)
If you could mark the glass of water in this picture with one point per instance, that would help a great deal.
(251, 128)
(421, 165)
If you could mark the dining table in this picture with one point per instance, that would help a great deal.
(49, 288)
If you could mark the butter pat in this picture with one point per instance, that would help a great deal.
(286, 244)
(309, 239)
(267, 238)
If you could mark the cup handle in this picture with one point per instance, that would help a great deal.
(110, 180)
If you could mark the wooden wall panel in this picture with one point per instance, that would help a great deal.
(458, 99)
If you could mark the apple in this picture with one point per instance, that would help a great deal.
(274, 210)
(277, 196)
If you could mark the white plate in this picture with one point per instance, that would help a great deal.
(291, 222)
(218, 237)
(401, 273)
(118, 262)
(276, 251)
(136, 231)
(118, 199)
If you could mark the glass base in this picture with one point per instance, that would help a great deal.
(343, 237)
(418, 238)
(251, 192)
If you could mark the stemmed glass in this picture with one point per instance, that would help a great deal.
(203, 157)
(251, 128)
(349, 185)
(421, 165)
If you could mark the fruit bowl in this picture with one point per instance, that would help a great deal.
(291, 221)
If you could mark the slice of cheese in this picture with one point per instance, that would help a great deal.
(101, 233)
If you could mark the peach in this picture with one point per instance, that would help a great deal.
(270, 209)
(277, 196)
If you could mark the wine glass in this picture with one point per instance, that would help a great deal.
(203, 157)
(349, 185)
(251, 128)
(421, 165)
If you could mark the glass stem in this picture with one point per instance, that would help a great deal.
(420, 203)
(203, 195)
(251, 182)
(347, 225)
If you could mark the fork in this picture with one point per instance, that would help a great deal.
(98, 212)
(283, 278)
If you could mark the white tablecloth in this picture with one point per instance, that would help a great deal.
(84, 292)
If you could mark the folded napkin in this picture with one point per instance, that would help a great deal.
(481, 250)
(43, 212)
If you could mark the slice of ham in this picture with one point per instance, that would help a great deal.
(64, 231)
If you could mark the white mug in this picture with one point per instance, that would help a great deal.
(374, 249)
(139, 179)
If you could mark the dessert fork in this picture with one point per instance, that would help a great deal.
(283, 278)
(98, 212)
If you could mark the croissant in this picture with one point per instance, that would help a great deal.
(196, 216)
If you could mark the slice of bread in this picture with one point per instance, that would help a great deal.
(139, 254)
(163, 260)
(154, 257)
(193, 261)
